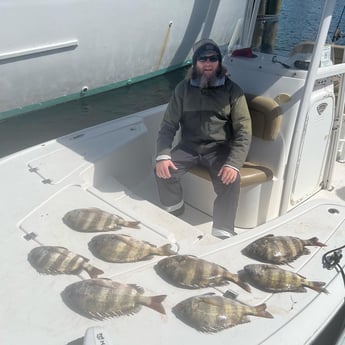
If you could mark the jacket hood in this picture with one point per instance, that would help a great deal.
(204, 46)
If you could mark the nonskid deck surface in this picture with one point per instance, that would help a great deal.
(45, 318)
(33, 301)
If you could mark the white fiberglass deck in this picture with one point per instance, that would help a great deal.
(33, 311)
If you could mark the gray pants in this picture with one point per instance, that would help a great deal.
(225, 204)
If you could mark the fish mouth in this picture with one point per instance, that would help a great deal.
(69, 303)
(244, 251)
(67, 298)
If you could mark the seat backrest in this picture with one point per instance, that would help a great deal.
(266, 116)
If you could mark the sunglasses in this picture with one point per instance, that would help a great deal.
(212, 58)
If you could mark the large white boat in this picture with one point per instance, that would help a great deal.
(56, 51)
(293, 184)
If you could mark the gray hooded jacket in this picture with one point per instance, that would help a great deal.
(208, 117)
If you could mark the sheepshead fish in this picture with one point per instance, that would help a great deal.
(279, 249)
(188, 271)
(59, 260)
(210, 313)
(275, 279)
(123, 248)
(105, 298)
(94, 219)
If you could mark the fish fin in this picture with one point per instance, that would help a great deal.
(131, 242)
(150, 244)
(287, 264)
(58, 248)
(122, 236)
(298, 289)
(139, 289)
(235, 278)
(113, 227)
(93, 271)
(144, 258)
(314, 241)
(261, 311)
(155, 303)
(300, 275)
(106, 282)
(306, 251)
(125, 239)
(244, 319)
(317, 286)
(166, 250)
(131, 224)
(211, 301)
(244, 286)
(208, 294)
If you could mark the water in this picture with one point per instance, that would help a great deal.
(39, 126)
(36, 127)
(298, 21)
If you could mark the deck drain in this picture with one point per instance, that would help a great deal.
(333, 211)
(30, 236)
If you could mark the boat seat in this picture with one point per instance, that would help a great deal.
(256, 177)
(251, 173)
(266, 116)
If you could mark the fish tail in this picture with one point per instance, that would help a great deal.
(130, 224)
(237, 280)
(155, 303)
(93, 271)
(166, 250)
(314, 241)
(244, 286)
(317, 286)
(260, 310)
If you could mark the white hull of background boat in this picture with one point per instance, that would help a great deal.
(55, 51)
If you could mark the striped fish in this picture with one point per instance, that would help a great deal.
(59, 260)
(104, 298)
(94, 219)
(279, 249)
(123, 248)
(210, 313)
(275, 279)
(191, 272)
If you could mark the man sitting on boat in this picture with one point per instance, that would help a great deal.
(212, 113)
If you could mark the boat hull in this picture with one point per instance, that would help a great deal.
(57, 51)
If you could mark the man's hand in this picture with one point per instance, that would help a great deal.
(227, 174)
(162, 168)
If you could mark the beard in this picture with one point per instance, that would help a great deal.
(206, 80)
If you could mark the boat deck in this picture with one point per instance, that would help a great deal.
(38, 194)
(64, 325)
